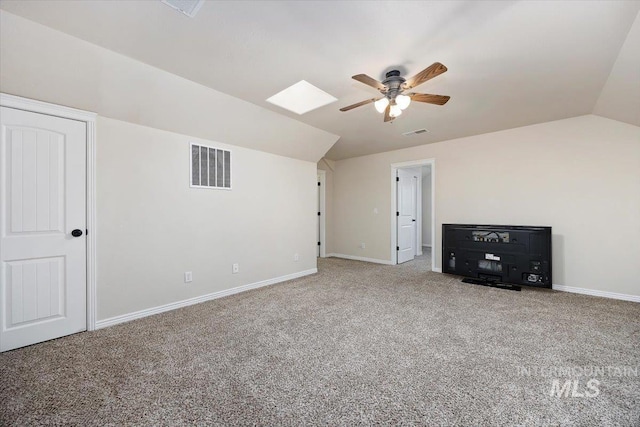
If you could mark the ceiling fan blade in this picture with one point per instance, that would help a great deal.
(370, 81)
(359, 104)
(387, 116)
(428, 73)
(428, 98)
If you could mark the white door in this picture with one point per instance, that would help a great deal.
(406, 220)
(42, 264)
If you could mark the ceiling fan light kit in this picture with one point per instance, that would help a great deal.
(395, 111)
(403, 101)
(381, 104)
(393, 89)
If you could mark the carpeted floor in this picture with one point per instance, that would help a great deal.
(357, 343)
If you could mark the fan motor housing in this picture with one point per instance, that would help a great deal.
(393, 82)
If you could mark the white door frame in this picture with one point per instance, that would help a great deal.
(394, 201)
(89, 118)
(419, 215)
(322, 179)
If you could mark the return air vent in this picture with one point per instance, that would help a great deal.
(187, 7)
(415, 132)
(210, 167)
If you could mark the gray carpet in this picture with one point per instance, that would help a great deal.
(356, 344)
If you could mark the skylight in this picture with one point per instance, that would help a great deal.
(301, 98)
(187, 7)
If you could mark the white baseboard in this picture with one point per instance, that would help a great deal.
(187, 302)
(437, 269)
(426, 246)
(596, 293)
(360, 258)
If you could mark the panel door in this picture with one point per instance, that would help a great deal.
(406, 221)
(43, 192)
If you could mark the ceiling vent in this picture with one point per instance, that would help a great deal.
(416, 132)
(187, 7)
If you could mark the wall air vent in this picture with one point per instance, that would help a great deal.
(415, 132)
(210, 167)
(187, 7)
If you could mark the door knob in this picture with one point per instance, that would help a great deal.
(76, 233)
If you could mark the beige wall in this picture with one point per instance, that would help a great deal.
(152, 227)
(44, 64)
(581, 176)
(620, 96)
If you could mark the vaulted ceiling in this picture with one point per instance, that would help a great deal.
(511, 63)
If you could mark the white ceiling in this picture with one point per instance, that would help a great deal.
(620, 97)
(511, 63)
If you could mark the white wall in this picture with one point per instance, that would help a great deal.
(581, 176)
(426, 209)
(152, 227)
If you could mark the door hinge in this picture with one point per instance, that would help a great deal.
(318, 184)
(86, 232)
(318, 213)
(397, 178)
(397, 248)
(318, 243)
(397, 213)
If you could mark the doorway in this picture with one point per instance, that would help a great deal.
(321, 223)
(407, 216)
(46, 255)
(412, 210)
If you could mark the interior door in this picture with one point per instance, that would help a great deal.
(42, 228)
(406, 221)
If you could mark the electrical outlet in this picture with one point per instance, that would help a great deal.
(362, 245)
(188, 277)
(296, 257)
(235, 268)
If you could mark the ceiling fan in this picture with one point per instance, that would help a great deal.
(394, 86)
